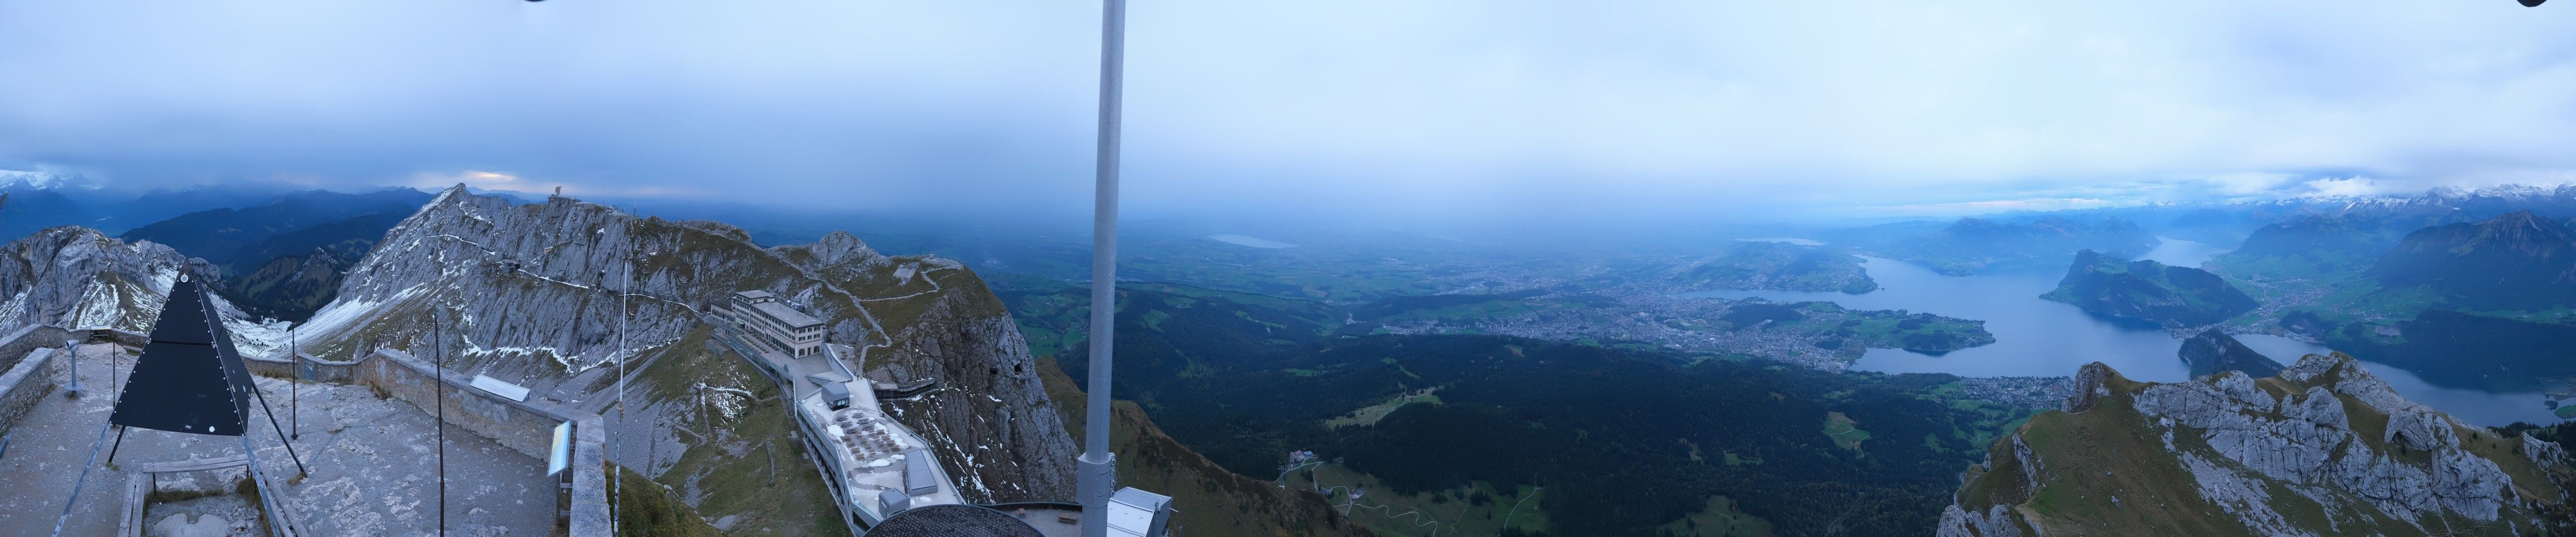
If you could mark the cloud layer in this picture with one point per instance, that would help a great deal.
(1432, 108)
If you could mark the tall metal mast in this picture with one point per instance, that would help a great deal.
(1099, 467)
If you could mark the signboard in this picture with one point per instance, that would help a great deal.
(497, 387)
(561, 455)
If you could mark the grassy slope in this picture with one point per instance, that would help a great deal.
(647, 509)
(1476, 509)
(1722, 518)
(1208, 499)
(732, 475)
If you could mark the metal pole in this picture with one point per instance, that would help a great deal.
(294, 381)
(73, 346)
(438, 386)
(625, 286)
(1099, 467)
(272, 425)
(74, 499)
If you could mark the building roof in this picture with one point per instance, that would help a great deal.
(952, 520)
(755, 293)
(784, 314)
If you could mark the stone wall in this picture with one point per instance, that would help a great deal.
(118, 336)
(18, 342)
(268, 367)
(524, 426)
(26, 384)
(30, 354)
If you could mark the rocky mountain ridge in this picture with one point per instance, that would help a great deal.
(2325, 448)
(533, 294)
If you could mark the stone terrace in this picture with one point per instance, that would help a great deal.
(373, 466)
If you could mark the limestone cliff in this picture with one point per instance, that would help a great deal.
(76, 277)
(2325, 448)
(532, 294)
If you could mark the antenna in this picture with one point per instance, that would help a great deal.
(1099, 467)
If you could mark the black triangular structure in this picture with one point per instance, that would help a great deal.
(189, 378)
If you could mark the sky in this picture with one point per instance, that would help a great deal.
(1433, 109)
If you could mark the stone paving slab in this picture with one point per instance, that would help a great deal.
(372, 461)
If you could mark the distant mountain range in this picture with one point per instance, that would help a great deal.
(1974, 245)
(1775, 265)
(233, 238)
(2518, 261)
(2320, 242)
(283, 258)
(112, 212)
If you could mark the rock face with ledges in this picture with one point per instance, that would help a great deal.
(76, 277)
(534, 292)
(2325, 448)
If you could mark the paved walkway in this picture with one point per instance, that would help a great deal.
(374, 469)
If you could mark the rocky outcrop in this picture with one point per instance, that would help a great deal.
(535, 292)
(2213, 351)
(2149, 291)
(2325, 448)
(2088, 388)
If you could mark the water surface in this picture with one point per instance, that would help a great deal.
(1790, 240)
(1246, 240)
(2036, 337)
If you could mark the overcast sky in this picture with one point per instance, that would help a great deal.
(1424, 108)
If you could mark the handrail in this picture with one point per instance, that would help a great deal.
(192, 465)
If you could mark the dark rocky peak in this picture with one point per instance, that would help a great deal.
(2213, 351)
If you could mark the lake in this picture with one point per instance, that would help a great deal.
(2035, 337)
(1247, 240)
